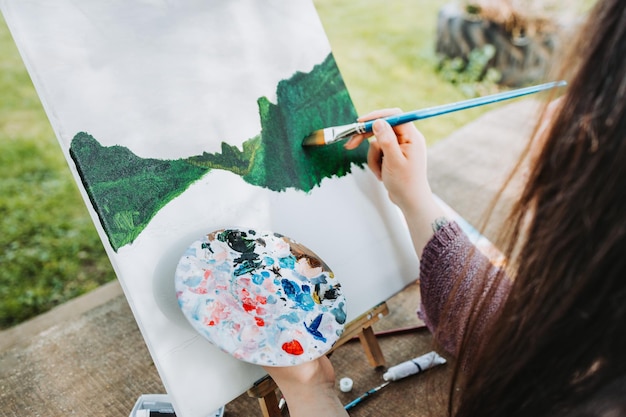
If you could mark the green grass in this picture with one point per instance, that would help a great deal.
(50, 251)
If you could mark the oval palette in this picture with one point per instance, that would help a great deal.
(260, 296)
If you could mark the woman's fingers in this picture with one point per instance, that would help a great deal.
(375, 159)
(356, 140)
(388, 142)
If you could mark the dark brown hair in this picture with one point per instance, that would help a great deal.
(561, 337)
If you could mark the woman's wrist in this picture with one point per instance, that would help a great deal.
(313, 401)
(423, 216)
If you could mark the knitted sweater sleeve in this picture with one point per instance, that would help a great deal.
(454, 276)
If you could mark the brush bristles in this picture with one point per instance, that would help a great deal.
(316, 138)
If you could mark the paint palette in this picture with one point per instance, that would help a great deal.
(260, 296)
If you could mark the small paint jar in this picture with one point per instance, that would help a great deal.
(345, 384)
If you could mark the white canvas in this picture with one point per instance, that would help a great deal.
(170, 80)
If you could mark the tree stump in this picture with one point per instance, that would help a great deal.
(522, 56)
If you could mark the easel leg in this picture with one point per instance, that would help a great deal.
(362, 327)
(371, 347)
(265, 391)
(269, 406)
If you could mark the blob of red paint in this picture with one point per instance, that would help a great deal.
(293, 348)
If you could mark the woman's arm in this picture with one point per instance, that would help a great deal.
(455, 278)
(453, 273)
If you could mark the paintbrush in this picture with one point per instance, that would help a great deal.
(358, 400)
(337, 133)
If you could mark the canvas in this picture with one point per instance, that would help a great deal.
(180, 118)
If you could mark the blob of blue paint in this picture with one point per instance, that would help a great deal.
(260, 277)
(339, 313)
(288, 262)
(246, 266)
(320, 279)
(292, 317)
(290, 288)
(303, 300)
(313, 328)
(193, 281)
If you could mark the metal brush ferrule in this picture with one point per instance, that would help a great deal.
(347, 131)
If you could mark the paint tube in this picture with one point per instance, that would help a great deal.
(414, 366)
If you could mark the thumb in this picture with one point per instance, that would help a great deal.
(387, 139)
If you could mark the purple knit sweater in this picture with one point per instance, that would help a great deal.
(450, 259)
(450, 255)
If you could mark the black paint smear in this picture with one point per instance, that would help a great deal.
(240, 242)
(331, 294)
(276, 271)
(206, 245)
(245, 266)
(237, 240)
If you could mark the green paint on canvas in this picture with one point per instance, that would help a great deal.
(127, 191)
(275, 159)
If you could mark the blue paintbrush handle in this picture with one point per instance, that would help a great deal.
(412, 116)
(353, 403)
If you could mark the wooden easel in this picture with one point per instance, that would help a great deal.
(265, 388)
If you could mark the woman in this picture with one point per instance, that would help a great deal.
(546, 337)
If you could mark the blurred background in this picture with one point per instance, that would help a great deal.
(392, 53)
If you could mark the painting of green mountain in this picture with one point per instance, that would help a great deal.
(127, 191)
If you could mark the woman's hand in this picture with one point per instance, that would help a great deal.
(398, 158)
(309, 388)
